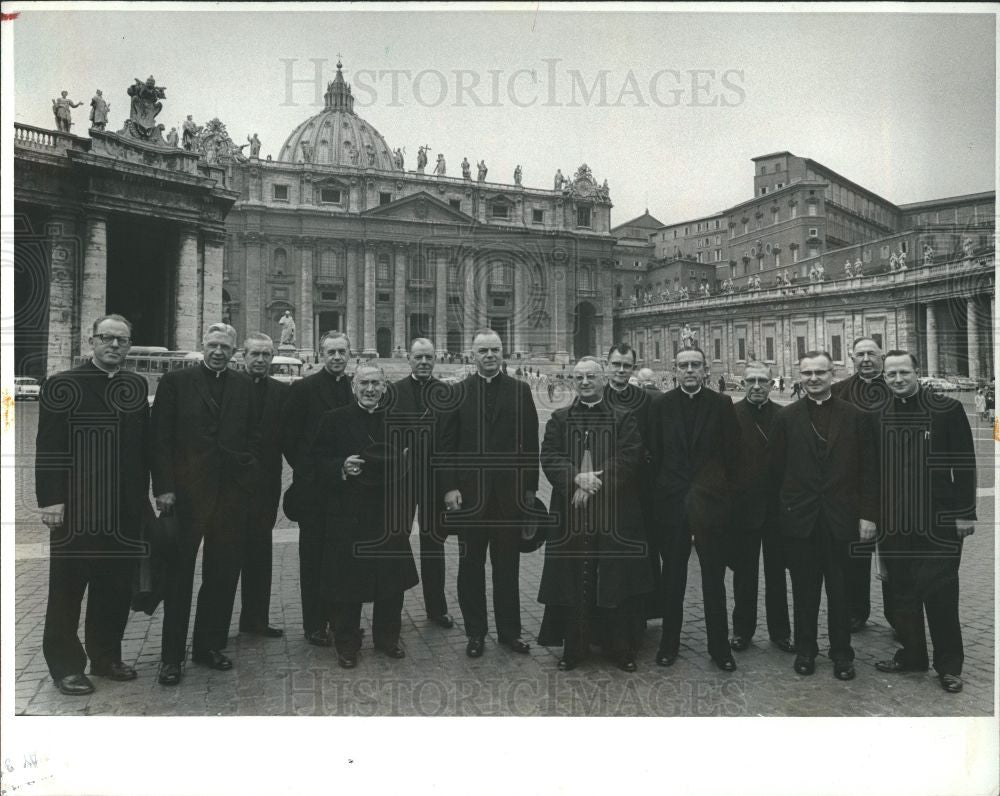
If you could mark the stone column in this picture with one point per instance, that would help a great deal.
(253, 303)
(186, 331)
(972, 331)
(607, 310)
(212, 294)
(521, 307)
(932, 341)
(305, 337)
(369, 349)
(94, 286)
(906, 329)
(399, 300)
(820, 332)
(63, 249)
(350, 294)
(470, 310)
(441, 301)
(559, 314)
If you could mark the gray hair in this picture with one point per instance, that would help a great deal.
(224, 328)
(372, 365)
(589, 358)
(421, 340)
(257, 337)
(758, 365)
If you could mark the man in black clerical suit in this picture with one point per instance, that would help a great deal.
(826, 470)
(361, 463)
(867, 390)
(308, 400)
(490, 485)
(205, 469)
(596, 569)
(268, 397)
(755, 522)
(92, 482)
(621, 394)
(928, 501)
(695, 439)
(417, 404)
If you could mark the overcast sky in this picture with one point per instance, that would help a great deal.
(668, 107)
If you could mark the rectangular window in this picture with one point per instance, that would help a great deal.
(746, 227)
(583, 217)
(675, 234)
(537, 215)
(383, 297)
(657, 349)
(877, 337)
(795, 211)
(642, 350)
(280, 193)
(741, 345)
(384, 198)
(330, 295)
(718, 350)
(835, 348)
(329, 196)
(456, 204)
(813, 232)
(500, 211)
(812, 210)
(800, 347)
(769, 349)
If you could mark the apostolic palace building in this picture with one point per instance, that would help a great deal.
(339, 231)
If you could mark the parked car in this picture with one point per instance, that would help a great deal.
(26, 388)
(938, 384)
(964, 383)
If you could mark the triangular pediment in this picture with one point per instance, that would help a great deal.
(420, 206)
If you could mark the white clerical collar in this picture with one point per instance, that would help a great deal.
(819, 401)
(762, 404)
(488, 379)
(611, 384)
(691, 395)
(591, 405)
(100, 367)
(420, 381)
(867, 381)
(216, 373)
(905, 398)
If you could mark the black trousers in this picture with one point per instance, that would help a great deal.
(386, 623)
(928, 586)
(748, 545)
(675, 550)
(220, 572)
(813, 560)
(315, 609)
(255, 576)
(503, 544)
(431, 560)
(859, 584)
(108, 583)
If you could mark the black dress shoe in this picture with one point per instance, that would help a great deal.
(213, 659)
(804, 664)
(664, 658)
(75, 685)
(474, 649)
(566, 664)
(858, 625)
(893, 666)
(170, 674)
(727, 664)
(443, 620)
(517, 645)
(843, 670)
(627, 663)
(266, 631)
(392, 650)
(783, 644)
(739, 643)
(347, 660)
(114, 671)
(320, 638)
(951, 683)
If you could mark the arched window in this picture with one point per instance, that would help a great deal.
(279, 263)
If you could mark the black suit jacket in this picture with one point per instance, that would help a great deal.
(838, 484)
(493, 460)
(754, 493)
(201, 451)
(271, 447)
(693, 484)
(91, 455)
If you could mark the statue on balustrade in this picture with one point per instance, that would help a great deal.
(466, 169)
(61, 110)
(968, 250)
(254, 145)
(173, 138)
(858, 266)
(307, 152)
(397, 158)
(287, 324)
(99, 109)
(848, 269)
(145, 106)
(902, 260)
(440, 168)
(689, 338)
(820, 272)
(481, 171)
(422, 158)
(190, 133)
(557, 181)
(517, 175)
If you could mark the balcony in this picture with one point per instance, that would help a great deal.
(328, 280)
(47, 140)
(415, 283)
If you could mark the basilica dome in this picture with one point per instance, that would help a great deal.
(337, 136)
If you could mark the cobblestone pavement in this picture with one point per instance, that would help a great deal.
(288, 677)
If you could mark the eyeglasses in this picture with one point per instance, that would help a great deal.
(810, 373)
(108, 339)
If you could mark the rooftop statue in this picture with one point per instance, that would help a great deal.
(254, 145)
(99, 109)
(61, 110)
(397, 158)
(517, 175)
(190, 132)
(440, 168)
(466, 169)
(145, 106)
(481, 171)
(422, 157)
